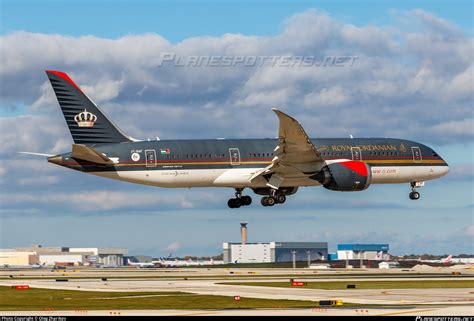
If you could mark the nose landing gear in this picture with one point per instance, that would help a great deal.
(414, 195)
(239, 200)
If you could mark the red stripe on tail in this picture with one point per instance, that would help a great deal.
(64, 76)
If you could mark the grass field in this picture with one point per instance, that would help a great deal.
(45, 299)
(342, 285)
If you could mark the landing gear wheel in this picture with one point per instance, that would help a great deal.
(280, 199)
(414, 195)
(246, 200)
(271, 201)
(267, 201)
(237, 202)
(234, 203)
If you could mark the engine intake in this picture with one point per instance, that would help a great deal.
(348, 176)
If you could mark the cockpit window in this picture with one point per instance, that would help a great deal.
(434, 154)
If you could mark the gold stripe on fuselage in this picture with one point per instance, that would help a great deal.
(378, 161)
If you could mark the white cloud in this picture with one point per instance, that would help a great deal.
(173, 247)
(460, 128)
(398, 73)
(327, 97)
(2, 170)
(38, 180)
(470, 230)
(109, 200)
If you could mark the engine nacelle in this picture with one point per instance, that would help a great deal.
(346, 176)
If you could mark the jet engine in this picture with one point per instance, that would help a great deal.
(345, 176)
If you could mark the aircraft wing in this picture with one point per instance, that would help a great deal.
(295, 155)
(89, 154)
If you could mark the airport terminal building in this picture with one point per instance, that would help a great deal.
(64, 256)
(274, 252)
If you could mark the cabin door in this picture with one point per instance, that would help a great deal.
(416, 151)
(150, 158)
(356, 154)
(234, 156)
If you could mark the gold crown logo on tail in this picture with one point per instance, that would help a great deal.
(85, 119)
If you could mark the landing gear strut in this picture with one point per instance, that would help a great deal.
(274, 198)
(414, 195)
(239, 200)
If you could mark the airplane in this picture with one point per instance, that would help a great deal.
(189, 262)
(272, 168)
(141, 264)
(445, 260)
(379, 256)
(28, 266)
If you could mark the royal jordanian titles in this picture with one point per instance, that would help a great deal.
(273, 168)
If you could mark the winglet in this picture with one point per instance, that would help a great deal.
(281, 114)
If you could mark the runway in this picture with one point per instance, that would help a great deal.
(383, 311)
(203, 281)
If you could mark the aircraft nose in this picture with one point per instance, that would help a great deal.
(55, 159)
(445, 170)
(440, 171)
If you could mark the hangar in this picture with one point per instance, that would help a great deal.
(274, 252)
(363, 252)
(12, 257)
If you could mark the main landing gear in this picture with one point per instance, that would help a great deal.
(239, 200)
(414, 195)
(273, 199)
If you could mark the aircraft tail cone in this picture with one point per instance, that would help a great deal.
(55, 159)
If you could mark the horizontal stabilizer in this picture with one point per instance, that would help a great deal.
(89, 154)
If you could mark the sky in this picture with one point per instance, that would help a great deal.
(411, 76)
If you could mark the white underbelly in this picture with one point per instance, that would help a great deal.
(240, 177)
(406, 174)
(233, 177)
(227, 177)
(167, 178)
